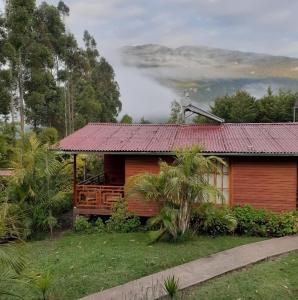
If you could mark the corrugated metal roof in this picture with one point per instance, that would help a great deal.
(236, 138)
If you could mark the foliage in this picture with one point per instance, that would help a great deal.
(121, 219)
(12, 262)
(181, 184)
(264, 223)
(48, 135)
(82, 225)
(171, 286)
(41, 184)
(242, 107)
(14, 223)
(126, 119)
(239, 108)
(42, 283)
(213, 220)
(176, 113)
(45, 77)
(167, 222)
(7, 136)
(99, 225)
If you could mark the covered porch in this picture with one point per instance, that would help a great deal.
(96, 195)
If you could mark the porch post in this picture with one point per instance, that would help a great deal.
(74, 178)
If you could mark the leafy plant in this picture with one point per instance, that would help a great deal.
(167, 223)
(12, 262)
(171, 286)
(212, 220)
(82, 225)
(209, 219)
(43, 282)
(121, 219)
(40, 185)
(99, 225)
(179, 185)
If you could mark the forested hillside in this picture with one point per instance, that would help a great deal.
(46, 78)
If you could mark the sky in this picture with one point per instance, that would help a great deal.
(265, 26)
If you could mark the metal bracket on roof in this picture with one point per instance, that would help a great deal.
(199, 111)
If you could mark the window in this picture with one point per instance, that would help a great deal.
(221, 181)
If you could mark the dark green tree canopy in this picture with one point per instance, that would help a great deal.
(45, 77)
(242, 107)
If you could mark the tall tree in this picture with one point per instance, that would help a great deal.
(19, 19)
(238, 108)
(52, 81)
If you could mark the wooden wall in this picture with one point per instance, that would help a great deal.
(140, 164)
(114, 169)
(267, 183)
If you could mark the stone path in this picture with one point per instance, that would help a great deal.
(200, 270)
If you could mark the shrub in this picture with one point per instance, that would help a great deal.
(264, 223)
(99, 225)
(121, 219)
(212, 220)
(82, 225)
(251, 221)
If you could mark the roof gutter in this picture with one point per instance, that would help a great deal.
(173, 153)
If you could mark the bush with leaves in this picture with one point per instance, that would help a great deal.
(41, 184)
(121, 219)
(260, 222)
(99, 225)
(12, 262)
(212, 220)
(82, 225)
(244, 220)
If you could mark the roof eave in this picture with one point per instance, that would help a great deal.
(173, 153)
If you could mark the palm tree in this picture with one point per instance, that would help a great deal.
(40, 183)
(181, 184)
(12, 262)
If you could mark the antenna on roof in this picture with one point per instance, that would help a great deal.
(199, 111)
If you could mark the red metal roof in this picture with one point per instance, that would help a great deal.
(240, 138)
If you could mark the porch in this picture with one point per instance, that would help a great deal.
(96, 195)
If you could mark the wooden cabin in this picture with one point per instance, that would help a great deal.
(261, 161)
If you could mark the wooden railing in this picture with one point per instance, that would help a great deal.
(97, 179)
(97, 196)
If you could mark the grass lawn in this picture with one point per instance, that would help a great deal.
(276, 279)
(84, 264)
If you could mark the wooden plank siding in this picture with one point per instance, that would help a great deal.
(268, 183)
(114, 169)
(135, 165)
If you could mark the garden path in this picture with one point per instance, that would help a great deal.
(200, 270)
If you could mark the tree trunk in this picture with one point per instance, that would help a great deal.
(12, 107)
(21, 94)
(184, 216)
(21, 102)
(65, 109)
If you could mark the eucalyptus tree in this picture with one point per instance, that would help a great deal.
(47, 76)
(19, 19)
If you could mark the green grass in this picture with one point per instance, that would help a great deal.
(276, 279)
(87, 263)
